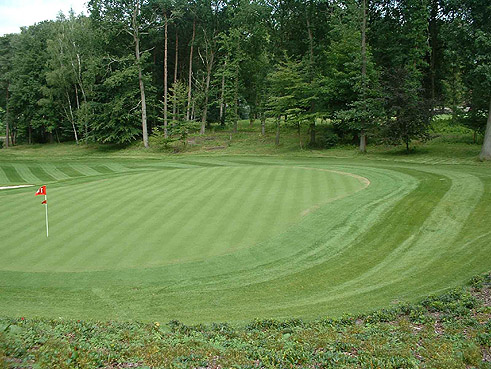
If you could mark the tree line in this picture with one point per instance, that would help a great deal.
(134, 68)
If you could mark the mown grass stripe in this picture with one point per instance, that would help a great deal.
(157, 240)
(41, 174)
(119, 199)
(253, 206)
(69, 171)
(102, 169)
(183, 210)
(53, 171)
(84, 169)
(11, 173)
(127, 225)
(224, 239)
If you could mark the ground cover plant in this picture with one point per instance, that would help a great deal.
(451, 330)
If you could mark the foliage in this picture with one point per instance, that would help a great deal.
(78, 77)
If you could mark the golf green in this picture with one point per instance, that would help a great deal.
(171, 216)
(235, 238)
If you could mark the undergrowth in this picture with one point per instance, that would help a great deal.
(452, 330)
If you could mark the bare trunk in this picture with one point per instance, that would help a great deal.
(236, 101)
(363, 142)
(363, 139)
(312, 133)
(311, 48)
(222, 97)
(191, 70)
(29, 139)
(174, 100)
(486, 145)
(299, 136)
(7, 133)
(263, 125)
(72, 118)
(13, 134)
(165, 73)
(136, 39)
(207, 87)
(433, 36)
(311, 77)
(76, 97)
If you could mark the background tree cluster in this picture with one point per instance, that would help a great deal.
(377, 68)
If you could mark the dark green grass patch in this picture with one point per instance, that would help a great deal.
(12, 174)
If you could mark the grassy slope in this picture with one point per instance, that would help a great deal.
(420, 227)
(448, 331)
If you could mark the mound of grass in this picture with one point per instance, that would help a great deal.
(446, 331)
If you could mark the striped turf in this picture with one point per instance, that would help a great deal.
(207, 239)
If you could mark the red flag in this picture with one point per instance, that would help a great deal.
(41, 191)
(44, 202)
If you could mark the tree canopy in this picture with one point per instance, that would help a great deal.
(371, 67)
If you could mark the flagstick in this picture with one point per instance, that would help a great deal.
(47, 229)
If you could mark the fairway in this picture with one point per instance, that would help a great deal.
(234, 238)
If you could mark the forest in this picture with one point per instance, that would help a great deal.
(376, 70)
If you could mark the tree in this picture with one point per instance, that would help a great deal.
(5, 78)
(468, 35)
(399, 38)
(132, 17)
(290, 94)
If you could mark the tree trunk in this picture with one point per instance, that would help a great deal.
(207, 87)
(174, 100)
(165, 72)
(363, 139)
(191, 70)
(277, 138)
(136, 39)
(76, 97)
(236, 100)
(29, 139)
(13, 134)
(486, 145)
(299, 135)
(7, 133)
(312, 134)
(311, 77)
(72, 118)
(222, 97)
(433, 31)
(263, 124)
(363, 142)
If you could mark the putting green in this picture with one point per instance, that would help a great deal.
(234, 238)
(153, 219)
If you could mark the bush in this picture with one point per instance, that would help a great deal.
(326, 137)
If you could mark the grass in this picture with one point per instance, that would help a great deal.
(206, 236)
(446, 331)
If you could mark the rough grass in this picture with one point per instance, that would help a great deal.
(451, 330)
(232, 238)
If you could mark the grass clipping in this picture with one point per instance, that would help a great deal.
(448, 331)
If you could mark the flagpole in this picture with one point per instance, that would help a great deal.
(47, 229)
